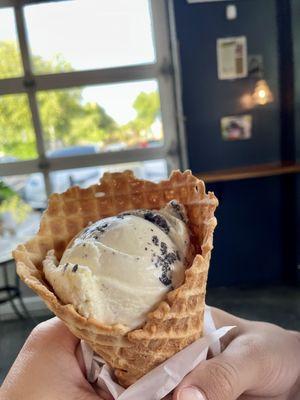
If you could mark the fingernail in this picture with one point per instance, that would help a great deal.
(190, 393)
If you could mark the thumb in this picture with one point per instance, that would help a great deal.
(224, 377)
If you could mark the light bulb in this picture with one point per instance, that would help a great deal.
(262, 93)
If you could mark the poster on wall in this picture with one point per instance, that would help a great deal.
(232, 57)
(236, 127)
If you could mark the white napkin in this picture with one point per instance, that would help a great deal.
(162, 379)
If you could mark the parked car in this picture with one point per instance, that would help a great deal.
(151, 143)
(74, 151)
(115, 146)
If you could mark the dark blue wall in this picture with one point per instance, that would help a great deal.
(296, 41)
(206, 99)
(248, 238)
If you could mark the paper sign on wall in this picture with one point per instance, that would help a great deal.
(232, 57)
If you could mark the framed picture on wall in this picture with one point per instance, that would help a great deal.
(232, 57)
(236, 127)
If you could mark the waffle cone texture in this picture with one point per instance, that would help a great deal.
(177, 321)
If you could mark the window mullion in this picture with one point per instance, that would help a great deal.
(165, 77)
(22, 36)
(11, 86)
(89, 160)
(65, 80)
(178, 87)
(31, 93)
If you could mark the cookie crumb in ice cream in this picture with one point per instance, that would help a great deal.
(171, 257)
(178, 209)
(66, 266)
(75, 268)
(157, 220)
(163, 248)
(101, 228)
(165, 280)
(155, 240)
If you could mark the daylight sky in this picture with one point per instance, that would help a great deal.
(92, 34)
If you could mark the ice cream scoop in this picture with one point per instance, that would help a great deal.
(119, 268)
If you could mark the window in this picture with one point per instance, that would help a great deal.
(96, 34)
(110, 117)
(85, 87)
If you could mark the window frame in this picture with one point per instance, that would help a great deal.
(163, 70)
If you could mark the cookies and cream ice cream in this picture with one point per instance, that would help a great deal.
(119, 268)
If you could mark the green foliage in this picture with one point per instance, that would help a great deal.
(12, 203)
(16, 133)
(5, 192)
(146, 106)
(91, 124)
(56, 65)
(16, 207)
(9, 50)
(65, 119)
(57, 110)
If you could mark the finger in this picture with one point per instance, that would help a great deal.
(222, 318)
(225, 377)
(229, 337)
(54, 332)
(224, 342)
(104, 395)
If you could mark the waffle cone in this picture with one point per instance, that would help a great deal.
(178, 320)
